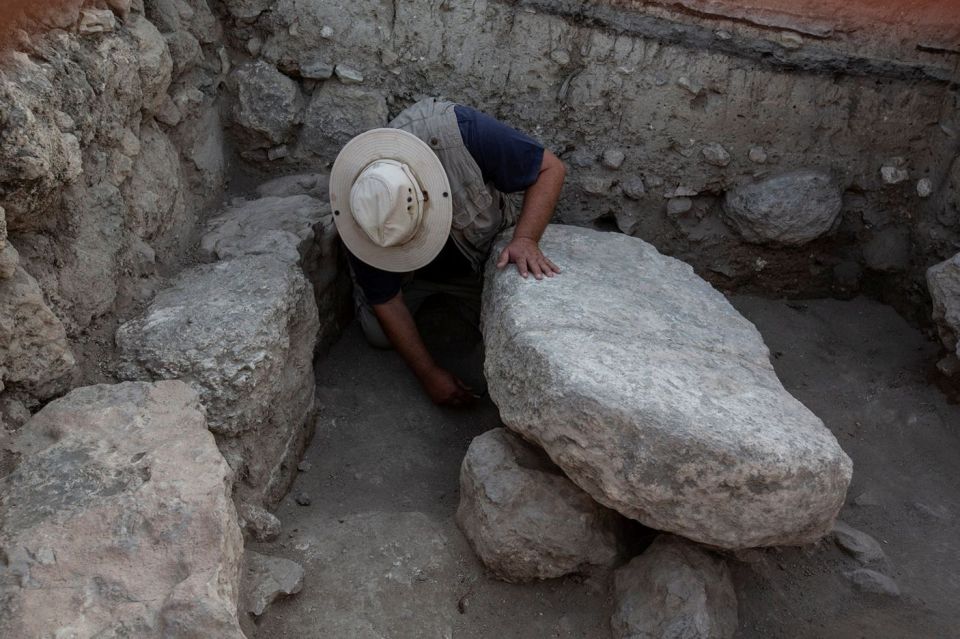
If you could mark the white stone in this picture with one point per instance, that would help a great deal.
(34, 352)
(268, 579)
(678, 205)
(788, 209)
(269, 104)
(96, 21)
(613, 158)
(118, 520)
(924, 187)
(857, 544)
(348, 75)
(241, 333)
(656, 397)
(633, 188)
(758, 155)
(716, 155)
(873, 582)
(524, 518)
(677, 590)
(894, 172)
(943, 282)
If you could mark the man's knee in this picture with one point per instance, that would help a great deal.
(372, 329)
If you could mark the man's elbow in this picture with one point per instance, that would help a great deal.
(555, 165)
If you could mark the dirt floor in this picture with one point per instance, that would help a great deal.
(385, 559)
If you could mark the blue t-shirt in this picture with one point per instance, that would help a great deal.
(508, 158)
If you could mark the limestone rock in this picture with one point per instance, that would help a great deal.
(154, 192)
(96, 21)
(9, 259)
(247, 8)
(758, 155)
(337, 113)
(34, 353)
(613, 158)
(924, 187)
(241, 333)
(348, 75)
(857, 544)
(268, 103)
(788, 209)
(633, 188)
(312, 184)
(524, 518)
(655, 396)
(118, 520)
(156, 65)
(873, 582)
(674, 589)
(716, 155)
(297, 228)
(268, 579)
(262, 525)
(943, 281)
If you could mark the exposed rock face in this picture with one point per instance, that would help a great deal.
(313, 184)
(298, 229)
(98, 164)
(268, 104)
(943, 281)
(118, 520)
(674, 589)
(789, 209)
(656, 397)
(34, 353)
(268, 579)
(336, 113)
(524, 518)
(242, 333)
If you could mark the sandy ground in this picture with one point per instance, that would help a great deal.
(384, 558)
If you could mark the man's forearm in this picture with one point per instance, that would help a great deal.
(541, 199)
(398, 325)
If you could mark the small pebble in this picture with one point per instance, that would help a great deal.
(304, 466)
(302, 499)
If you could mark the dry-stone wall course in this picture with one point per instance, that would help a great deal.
(242, 333)
(110, 144)
(655, 396)
(524, 518)
(118, 520)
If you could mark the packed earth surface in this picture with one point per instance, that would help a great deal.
(733, 414)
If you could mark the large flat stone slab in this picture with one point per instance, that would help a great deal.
(118, 520)
(656, 397)
(241, 332)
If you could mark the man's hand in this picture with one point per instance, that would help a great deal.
(525, 253)
(445, 389)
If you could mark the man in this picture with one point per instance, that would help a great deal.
(418, 206)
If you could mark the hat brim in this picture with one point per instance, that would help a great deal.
(402, 146)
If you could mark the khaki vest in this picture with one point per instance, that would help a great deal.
(480, 212)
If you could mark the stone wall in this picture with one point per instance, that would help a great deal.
(110, 147)
(658, 111)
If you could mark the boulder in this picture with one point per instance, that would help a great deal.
(298, 228)
(788, 209)
(943, 281)
(524, 518)
(242, 334)
(268, 579)
(118, 520)
(34, 353)
(313, 184)
(336, 113)
(656, 396)
(676, 590)
(268, 103)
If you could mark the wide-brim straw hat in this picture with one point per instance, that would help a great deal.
(431, 202)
